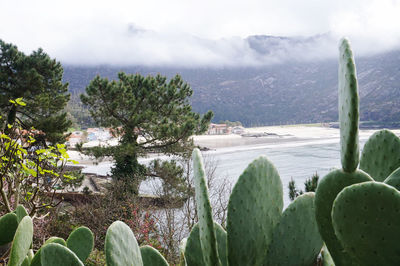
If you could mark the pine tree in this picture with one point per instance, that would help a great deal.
(38, 80)
(147, 114)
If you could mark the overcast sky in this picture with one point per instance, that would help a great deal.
(193, 33)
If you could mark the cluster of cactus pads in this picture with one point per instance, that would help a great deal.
(358, 206)
(355, 211)
(257, 231)
(121, 247)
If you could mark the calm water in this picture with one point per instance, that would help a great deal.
(297, 160)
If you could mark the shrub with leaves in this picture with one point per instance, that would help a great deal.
(31, 174)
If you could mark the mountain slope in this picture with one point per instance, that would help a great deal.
(288, 92)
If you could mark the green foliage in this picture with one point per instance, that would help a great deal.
(38, 79)
(28, 171)
(149, 114)
(151, 257)
(310, 185)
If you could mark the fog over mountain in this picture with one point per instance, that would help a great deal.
(297, 85)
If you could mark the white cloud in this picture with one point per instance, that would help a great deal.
(196, 33)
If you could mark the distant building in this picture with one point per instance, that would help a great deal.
(218, 129)
(75, 138)
(238, 130)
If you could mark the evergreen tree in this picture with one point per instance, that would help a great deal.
(38, 80)
(147, 114)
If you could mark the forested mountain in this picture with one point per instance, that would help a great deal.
(292, 91)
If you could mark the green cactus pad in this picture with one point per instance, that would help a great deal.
(193, 251)
(326, 257)
(81, 242)
(22, 242)
(348, 108)
(21, 212)
(296, 240)
(327, 190)
(394, 179)
(8, 226)
(36, 261)
(121, 247)
(182, 247)
(254, 209)
(366, 218)
(381, 156)
(28, 259)
(151, 257)
(208, 239)
(56, 254)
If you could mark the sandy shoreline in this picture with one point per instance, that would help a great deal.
(278, 135)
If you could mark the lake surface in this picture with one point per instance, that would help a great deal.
(295, 159)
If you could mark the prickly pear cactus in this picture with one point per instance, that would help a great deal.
(121, 247)
(81, 242)
(348, 108)
(8, 226)
(394, 179)
(366, 219)
(193, 252)
(151, 257)
(254, 209)
(296, 240)
(36, 261)
(21, 242)
(208, 239)
(328, 188)
(21, 212)
(326, 257)
(182, 247)
(381, 156)
(56, 254)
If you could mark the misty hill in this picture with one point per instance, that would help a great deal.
(292, 91)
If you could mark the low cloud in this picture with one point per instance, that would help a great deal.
(199, 34)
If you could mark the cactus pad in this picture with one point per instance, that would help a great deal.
(36, 261)
(206, 225)
(151, 257)
(394, 179)
(21, 212)
(121, 247)
(380, 156)
(193, 252)
(348, 108)
(182, 247)
(81, 242)
(56, 254)
(22, 241)
(254, 209)
(8, 226)
(366, 218)
(327, 190)
(296, 240)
